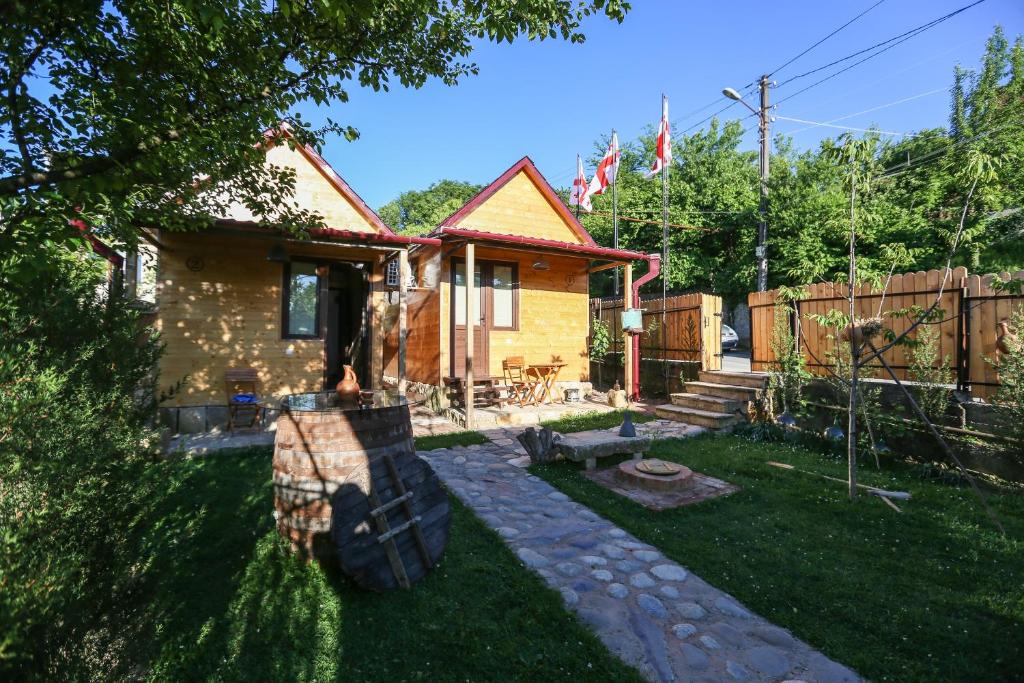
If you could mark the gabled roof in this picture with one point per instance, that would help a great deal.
(527, 166)
(539, 243)
(333, 177)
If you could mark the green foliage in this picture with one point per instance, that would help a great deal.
(893, 596)
(114, 109)
(600, 339)
(465, 438)
(931, 373)
(75, 379)
(594, 419)
(418, 212)
(788, 374)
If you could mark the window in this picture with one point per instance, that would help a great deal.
(391, 278)
(301, 309)
(498, 288)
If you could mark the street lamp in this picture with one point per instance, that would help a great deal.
(762, 226)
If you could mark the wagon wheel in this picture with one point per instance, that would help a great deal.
(390, 522)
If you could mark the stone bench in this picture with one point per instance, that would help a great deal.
(587, 447)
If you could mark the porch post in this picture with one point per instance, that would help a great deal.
(627, 356)
(403, 309)
(470, 324)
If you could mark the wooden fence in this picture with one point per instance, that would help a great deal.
(688, 335)
(968, 324)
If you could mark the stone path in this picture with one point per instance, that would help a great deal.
(645, 608)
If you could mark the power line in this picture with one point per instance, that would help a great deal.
(779, 68)
(900, 38)
(830, 125)
(930, 157)
(865, 111)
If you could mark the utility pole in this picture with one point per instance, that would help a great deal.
(762, 225)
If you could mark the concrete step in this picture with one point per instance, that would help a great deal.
(713, 404)
(701, 418)
(758, 380)
(730, 391)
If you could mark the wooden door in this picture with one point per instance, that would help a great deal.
(481, 342)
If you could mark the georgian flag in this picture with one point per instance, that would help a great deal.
(608, 169)
(664, 145)
(578, 196)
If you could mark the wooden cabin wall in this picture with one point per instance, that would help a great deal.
(228, 314)
(423, 318)
(519, 208)
(553, 314)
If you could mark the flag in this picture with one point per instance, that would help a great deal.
(578, 196)
(608, 169)
(664, 145)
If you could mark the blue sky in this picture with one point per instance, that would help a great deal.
(551, 100)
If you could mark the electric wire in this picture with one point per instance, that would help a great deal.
(780, 68)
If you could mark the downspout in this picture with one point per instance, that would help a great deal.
(654, 269)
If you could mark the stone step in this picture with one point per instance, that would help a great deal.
(701, 418)
(713, 404)
(758, 380)
(731, 391)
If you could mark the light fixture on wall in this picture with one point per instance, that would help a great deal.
(277, 254)
(541, 264)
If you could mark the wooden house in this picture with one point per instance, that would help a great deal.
(531, 260)
(394, 307)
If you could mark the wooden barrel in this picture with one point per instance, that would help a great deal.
(317, 447)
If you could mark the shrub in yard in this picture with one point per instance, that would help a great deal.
(1010, 396)
(931, 373)
(73, 367)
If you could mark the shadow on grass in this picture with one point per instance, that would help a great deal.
(216, 594)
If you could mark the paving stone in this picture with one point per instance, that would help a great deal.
(669, 572)
(773, 635)
(669, 591)
(562, 553)
(583, 585)
(570, 597)
(617, 590)
(568, 569)
(531, 558)
(507, 532)
(647, 555)
(709, 643)
(642, 580)
(629, 544)
(584, 543)
(652, 605)
(629, 566)
(557, 513)
(727, 606)
(683, 631)
(768, 660)
(617, 533)
(558, 495)
(737, 670)
(691, 610)
(695, 657)
(827, 671)
(593, 560)
(602, 575)
(613, 552)
(459, 460)
(727, 633)
(595, 618)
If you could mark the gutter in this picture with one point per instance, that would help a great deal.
(654, 263)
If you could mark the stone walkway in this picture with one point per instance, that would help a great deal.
(648, 610)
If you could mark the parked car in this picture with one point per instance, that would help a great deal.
(730, 340)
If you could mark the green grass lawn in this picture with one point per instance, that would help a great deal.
(466, 438)
(934, 593)
(213, 595)
(594, 419)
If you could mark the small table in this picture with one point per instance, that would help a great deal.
(546, 375)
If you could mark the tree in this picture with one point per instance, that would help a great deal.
(417, 212)
(115, 110)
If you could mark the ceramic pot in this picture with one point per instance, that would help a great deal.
(348, 387)
(1007, 340)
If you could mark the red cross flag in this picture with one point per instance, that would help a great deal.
(664, 145)
(579, 196)
(607, 169)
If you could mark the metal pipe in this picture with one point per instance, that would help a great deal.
(654, 269)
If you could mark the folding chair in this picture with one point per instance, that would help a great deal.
(244, 406)
(521, 389)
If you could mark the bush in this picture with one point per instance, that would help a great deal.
(1010, 396)
(74, 367)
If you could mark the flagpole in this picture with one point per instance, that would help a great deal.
(615, 214)
(664, 255)
(578, 190)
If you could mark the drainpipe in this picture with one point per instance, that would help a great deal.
(654, 269)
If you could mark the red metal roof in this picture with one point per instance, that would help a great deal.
(340, 234)
(527, 166)
(592, 250)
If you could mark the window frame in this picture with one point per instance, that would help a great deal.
(487, 276)
(286, 290)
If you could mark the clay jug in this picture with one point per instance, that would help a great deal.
(348, 387)
(1007, 340)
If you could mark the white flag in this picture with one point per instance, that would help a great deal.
(578, 196)
(664, 146)
(608, 169)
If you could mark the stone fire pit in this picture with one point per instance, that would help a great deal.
(653, 475)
